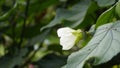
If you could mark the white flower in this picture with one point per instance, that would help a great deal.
(68, 37)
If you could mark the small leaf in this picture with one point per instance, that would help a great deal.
(104, 45)
(90, 16)
(106, 17)
(103, 3)
(117, 8)
(7, 14)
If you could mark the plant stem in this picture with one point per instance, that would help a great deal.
(25, 19)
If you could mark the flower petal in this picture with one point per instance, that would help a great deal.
(64, 31)
(67, 42)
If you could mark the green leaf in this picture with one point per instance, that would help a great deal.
(90, 17)
(117, 8)
(75, 14)
(7, 14)
(103, 3)
(106, 17)
(103, 46)
(2, 50)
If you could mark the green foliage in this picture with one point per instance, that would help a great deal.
(7, 14)
(11, 61)
(50, 63)
(40, 38)
(75, 15)
(28, 33)
(106, 17)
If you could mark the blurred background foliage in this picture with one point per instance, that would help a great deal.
(28, 36)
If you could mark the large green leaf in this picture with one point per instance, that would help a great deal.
(106, 17)
(104, 3)
(104, 45)
(75, 14)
